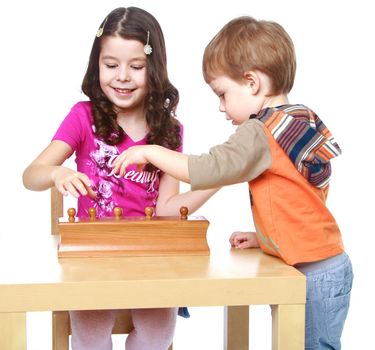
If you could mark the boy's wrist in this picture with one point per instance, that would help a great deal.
(148, 150)
(151, 152)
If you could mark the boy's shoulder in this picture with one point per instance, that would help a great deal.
(298, 111)
(279, 119)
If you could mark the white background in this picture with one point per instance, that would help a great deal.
(44, 51)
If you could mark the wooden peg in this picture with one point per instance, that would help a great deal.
(71, 214)
(149, 211)
(117, 212)
(184, 213)
(92, 214)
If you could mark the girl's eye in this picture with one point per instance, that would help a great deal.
(110, 66)
(137, 67)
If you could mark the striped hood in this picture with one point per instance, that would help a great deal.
(304, 138)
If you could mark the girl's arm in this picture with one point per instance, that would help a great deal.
(170, 200)
(46, 171)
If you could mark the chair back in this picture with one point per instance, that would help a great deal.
(57, 209)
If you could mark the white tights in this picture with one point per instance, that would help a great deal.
(153, 329)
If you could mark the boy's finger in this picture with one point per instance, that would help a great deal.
(122, 169)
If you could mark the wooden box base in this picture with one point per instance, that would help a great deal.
(133, 236)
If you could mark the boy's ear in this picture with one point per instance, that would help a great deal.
(252, 81)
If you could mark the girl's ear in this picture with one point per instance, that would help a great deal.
(252, 80)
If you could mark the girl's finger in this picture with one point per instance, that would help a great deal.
(62, 190)
(90, 192)
(79, 186)
(71, 189)
(85, 179)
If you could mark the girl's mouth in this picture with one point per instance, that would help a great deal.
(123, 91)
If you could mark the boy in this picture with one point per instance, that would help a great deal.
(283, 151)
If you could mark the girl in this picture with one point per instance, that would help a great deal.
(131, 103)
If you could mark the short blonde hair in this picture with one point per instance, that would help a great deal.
(246, 44)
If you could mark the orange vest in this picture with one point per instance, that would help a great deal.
(290, 215)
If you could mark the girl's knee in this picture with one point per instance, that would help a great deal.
(155, 326)
(154, 318)
(92, 329)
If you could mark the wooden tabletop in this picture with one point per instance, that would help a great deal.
(32, 278)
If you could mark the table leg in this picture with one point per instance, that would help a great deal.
(60, 330)
(236, 327)
(288, 327)
(13, 331)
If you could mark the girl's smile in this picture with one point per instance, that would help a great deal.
(123, 92)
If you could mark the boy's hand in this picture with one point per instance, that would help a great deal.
(133, 155)
(244, 240)
(73, 182)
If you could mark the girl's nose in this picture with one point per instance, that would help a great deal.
(123, 75)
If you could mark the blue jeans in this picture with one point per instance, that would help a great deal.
(329, 283)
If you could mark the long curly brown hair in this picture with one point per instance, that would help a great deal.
(162, 98)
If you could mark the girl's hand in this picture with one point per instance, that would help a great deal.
(73, 182)
(243, 240)
(133, 155)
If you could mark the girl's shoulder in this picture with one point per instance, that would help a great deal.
(82, 107)
(77, 122)
(81, 113)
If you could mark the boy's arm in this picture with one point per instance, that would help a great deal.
(171, 162)
(242, 158)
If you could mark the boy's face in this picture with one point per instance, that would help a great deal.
(237, 99)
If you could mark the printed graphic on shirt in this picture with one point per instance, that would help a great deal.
(107, 185)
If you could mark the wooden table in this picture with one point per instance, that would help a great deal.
(33, 279)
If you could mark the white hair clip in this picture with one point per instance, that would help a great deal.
(100, 31)
(166, 103)
(147, 48)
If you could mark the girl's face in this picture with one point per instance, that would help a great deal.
(123, 72)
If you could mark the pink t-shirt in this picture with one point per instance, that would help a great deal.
(132, 192)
